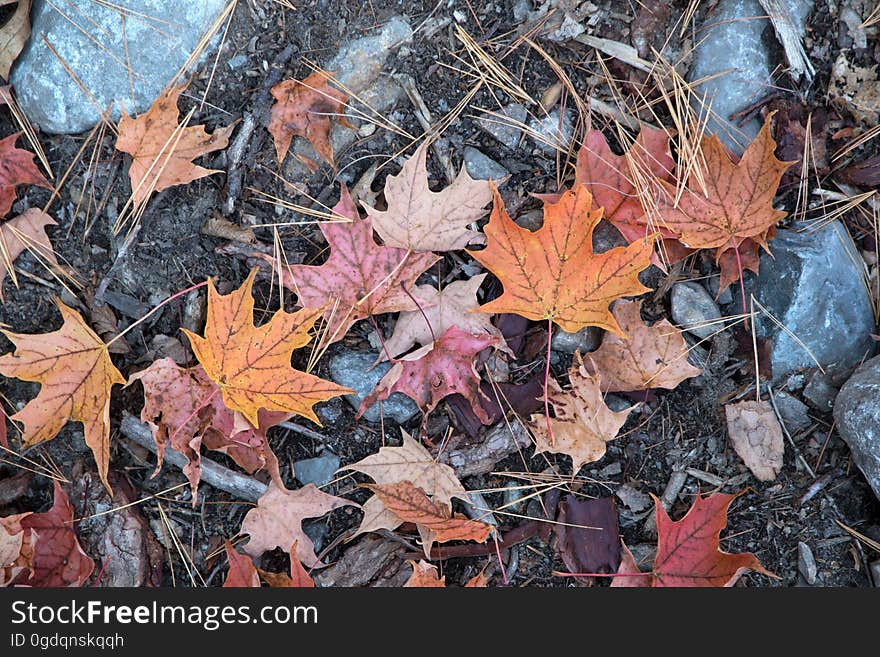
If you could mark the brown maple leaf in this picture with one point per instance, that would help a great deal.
(582, 422)
(242, 573)
(434, 520)
(418, 219)
(13, 35)
(424, 575)
(75, 373)
(251, 364)
(303, 108)
(454, 305)
(738, 199)
(756, 436)
(16, 168)
(648, 357)
(26, 232)
(435, 371)
(360, 278)
(162, 152)
(553, 273)
(688, 552)
(276, 521)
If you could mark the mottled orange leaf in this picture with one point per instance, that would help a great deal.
(424, 575)
(304, 108)
(360, 278)
(162, 154)
(435, 521)
(26, 232)
(553, 273)
(242, 573)
(648, 357)
(75, 373)
(250, 364)
(16, 168)
(688, 551)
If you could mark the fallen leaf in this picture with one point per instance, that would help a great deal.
(251, 364)
(184, 409)
(13, 35)
(588, 536)
(411, 462)
(162, 152)
(553, 273)
(649, 357)
(16, 168)
(418, 219)
(435, 521)
(732, 267)
(377, 517)
(75, 373)
(26, 232)
(242, 573)
(298, 578)
(359, 278)
(58, 558)
(688, 551)
(429, 374)
(756, 436)
(16, 549)
(424, 576)
(478, 581)
(276, 522)
(738, 199)
(582, 424)
(454, 305)
(304, 108)
(10, 549)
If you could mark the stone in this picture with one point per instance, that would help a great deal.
(725, 297)
(159, 39)
(355, 370)
(551, 133)
(857, 417)
(793, 411)
(813, 284)
(694, 310)
(820, 392)
(587, 339)
(505, 125)
(736, 35)
(318, 470)
(483, 167)
(807, 563)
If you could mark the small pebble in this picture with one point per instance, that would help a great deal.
(318, 470)
(587, 339)
(694, 309)
(552, 134)
(807, 563)
(483, 167)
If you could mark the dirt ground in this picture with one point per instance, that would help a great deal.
(679, 430)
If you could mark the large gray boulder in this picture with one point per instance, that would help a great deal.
(813, 284)
(857, 416)
(125, 55)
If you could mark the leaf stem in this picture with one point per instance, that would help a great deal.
(550, 436)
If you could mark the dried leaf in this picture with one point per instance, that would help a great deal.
(17, 551)
(756, 436)
(13, 35)
(304, 108)
(649, 357)
(251, 364)
(276, 522)
(17, 168)
(162, 155)
(424, 576)
(553, 273)
(582, 425)
(429, 374)
(418, 219)
(298, 578)
(359, 279)
(76, 375)
(588, 536)
(242, 573)
(26, 232)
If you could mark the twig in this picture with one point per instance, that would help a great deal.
(423, 116)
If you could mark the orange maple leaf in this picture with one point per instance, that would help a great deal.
(553, 273)
(162, 151)
(738, 200)
(17, 168)
(251, 364)
(76, 375)
(304, 108)
(688, 551)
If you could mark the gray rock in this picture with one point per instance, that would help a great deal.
(807, 563)
(713, 283)
(158, 36)
(736, 35)
(318, 470)
(857, 415)
(694, 310)
(551, 133)
(587, 339)
(820, 392)
(505, 125)
(794, 412)
(352, 369)
(481, 166)
(814, 285)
